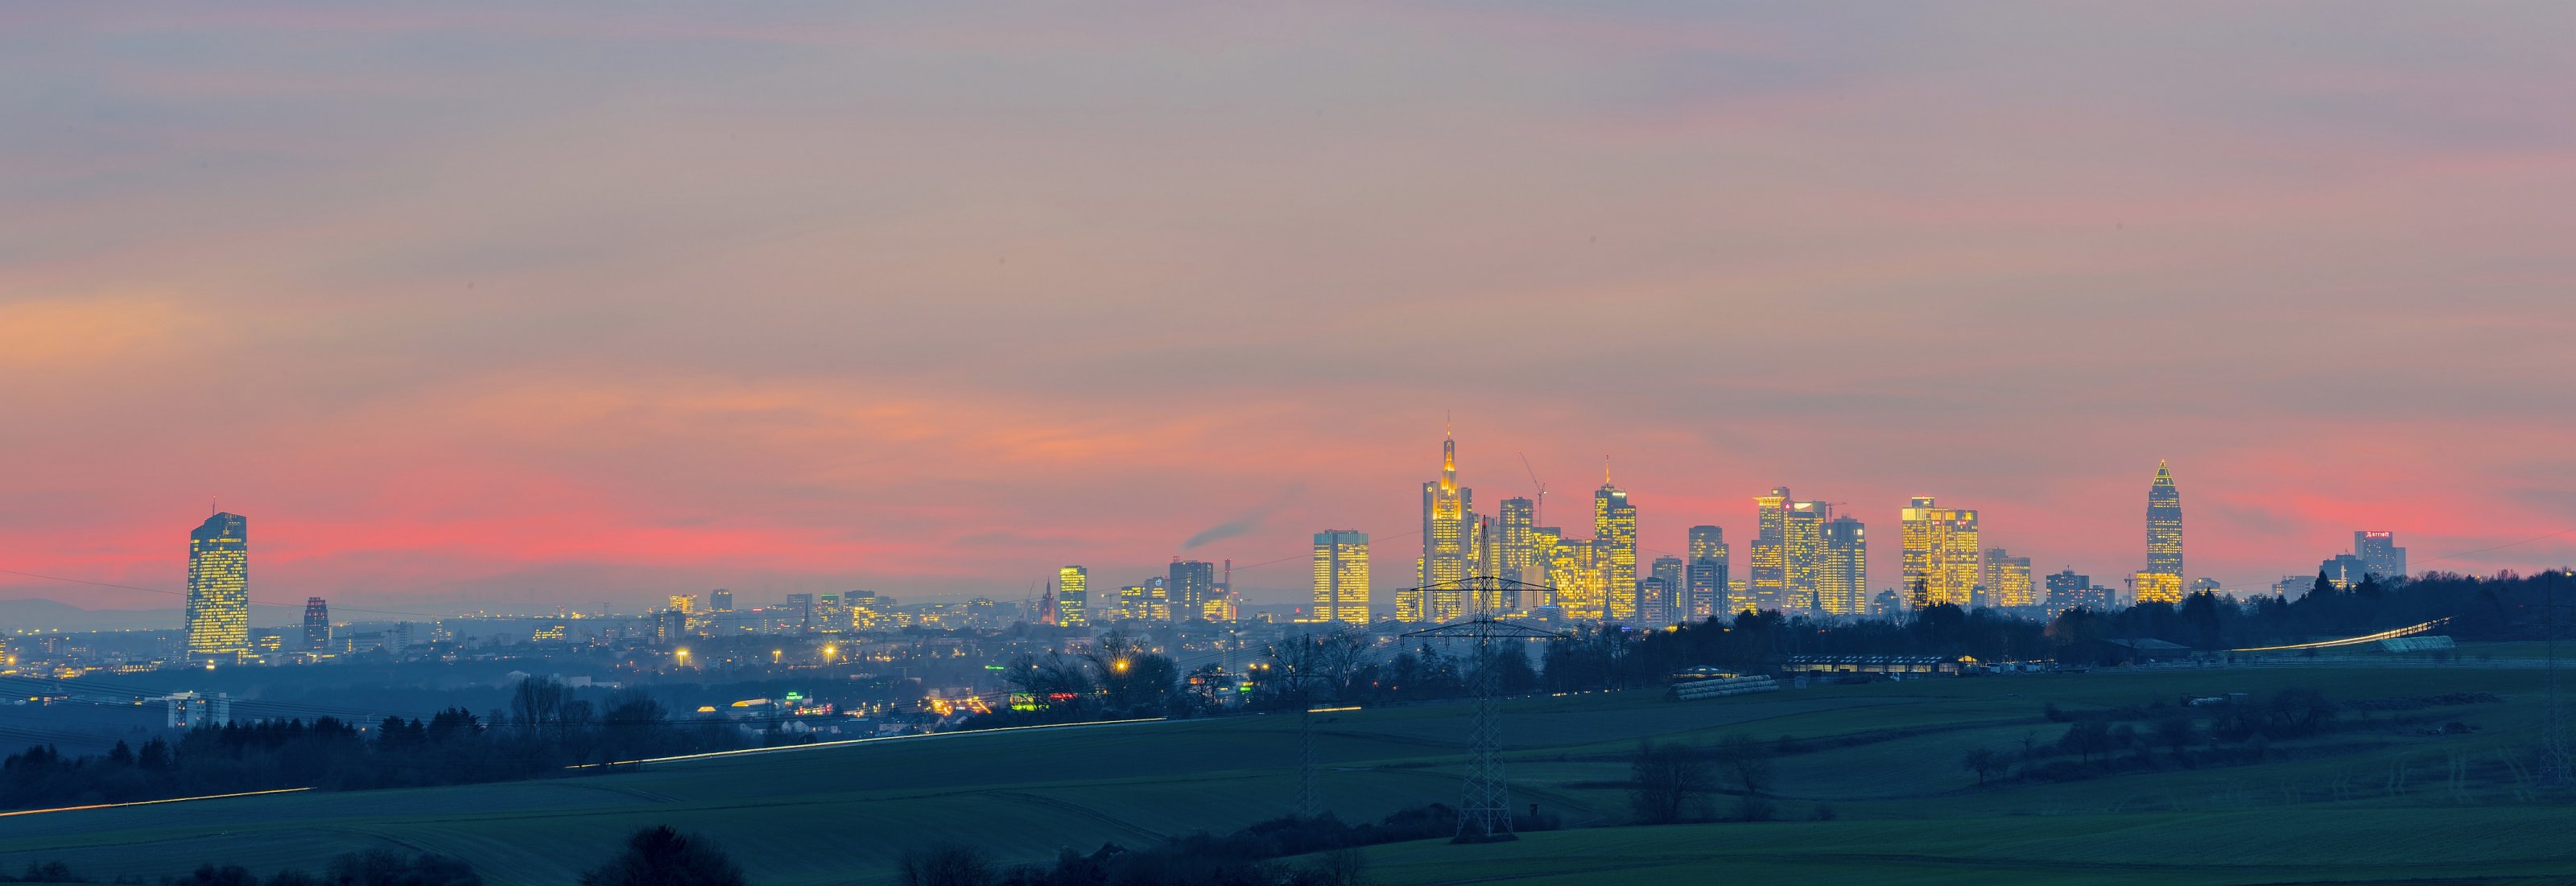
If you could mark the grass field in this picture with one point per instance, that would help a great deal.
(2380, 803)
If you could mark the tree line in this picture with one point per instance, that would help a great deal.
(545, 731)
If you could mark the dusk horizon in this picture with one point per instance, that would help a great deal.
(1044, 302)
(1402, 444)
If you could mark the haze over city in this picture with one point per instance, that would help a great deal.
(933, 303)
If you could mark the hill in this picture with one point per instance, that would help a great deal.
(2377, 801)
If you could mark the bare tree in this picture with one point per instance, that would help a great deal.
(1747, 762)
(1671, 782)
(1985, 762)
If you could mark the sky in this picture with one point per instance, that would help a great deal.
(519, 305)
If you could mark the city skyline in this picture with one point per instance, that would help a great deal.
(1820, 546)
(837, 319)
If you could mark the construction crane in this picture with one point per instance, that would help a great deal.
(1541, 507)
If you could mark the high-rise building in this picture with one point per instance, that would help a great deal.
(1673, 596)
(1072, 597)
(1341, 576)
(1158, 599)
(2379, 553)
(1614, 530)
(1766, 582)
(1543, 544)
(2344, 571)
(1445, 524)
(2008, 579)
(1802, 553)
(720, 600)
(1768, 575)
(1655, 602)
(2161, 581)
(1516, 544)
(219, 588)
(1940, 555)
(1193, 584)
(684, 604)
(1581, 579)
(1132, 605)
(1842, 569)
(317, 624)
(1704, 576)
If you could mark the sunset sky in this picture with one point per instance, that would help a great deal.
(479, 304)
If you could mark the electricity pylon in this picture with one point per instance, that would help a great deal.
(1485, 810)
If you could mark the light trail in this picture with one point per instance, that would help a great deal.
(152, 802)
(2391, 634)
(745, 752)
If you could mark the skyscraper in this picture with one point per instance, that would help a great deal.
(1614, 530)
(720, 600)
(1072, 597)
(317, 624)
(1577, 571)
(1842, 569)
(1341, 576)
(219, 588)
(1514, 542)
(1705, 574)
(1672, 601)
(2379, 553)
(1940, 554)
(1445, 526)
(2007, 579)
(1193, 584)
(1768, 579)
(1802, 551)
(2161, 581)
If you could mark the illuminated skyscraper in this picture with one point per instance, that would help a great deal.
(317, 624)
(1072, 597)
(1614, 531)
(1193, 584)
(1445, 525)
(1941, 554)
(2161, 581)
(1581, 577)
(1341, 577)
(1842, 570)
(219, 588)
(2379, 553)
(1543, 544)
(2007, 579)
(1132, 605)
(1705, 574)
(1514, 544)
(1802, 551)
(1672, 596)
(1768, 577)
(684, 604)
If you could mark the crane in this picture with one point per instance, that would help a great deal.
(1541, 507)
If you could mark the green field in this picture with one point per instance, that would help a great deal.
(2377, 804)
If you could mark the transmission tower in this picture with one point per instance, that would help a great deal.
(1310, 795)
(2553, 735)
(1485, 810)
